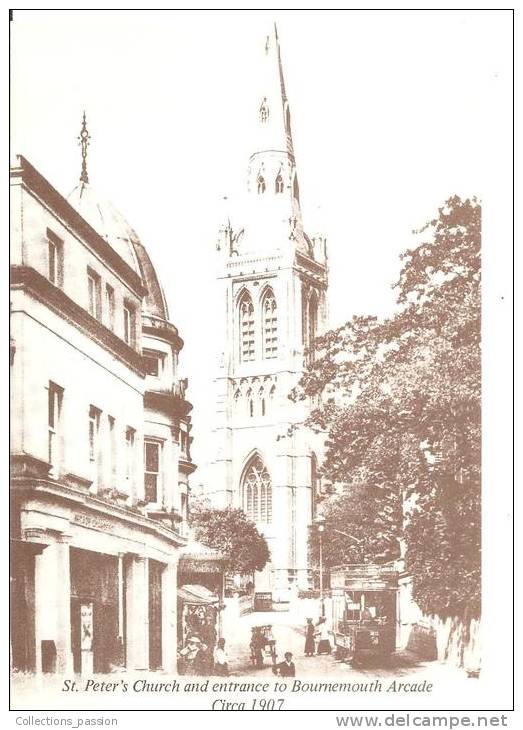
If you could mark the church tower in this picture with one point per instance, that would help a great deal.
(271, 284)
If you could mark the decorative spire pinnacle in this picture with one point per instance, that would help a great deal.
(83, 141)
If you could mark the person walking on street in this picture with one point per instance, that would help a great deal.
(324, 644)
(309, 638)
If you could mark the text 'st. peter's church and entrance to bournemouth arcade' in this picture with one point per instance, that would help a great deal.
(272, 283)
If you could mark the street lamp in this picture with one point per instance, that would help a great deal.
(320, 524)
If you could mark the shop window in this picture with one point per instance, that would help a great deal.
(152, 470)
(54, 409)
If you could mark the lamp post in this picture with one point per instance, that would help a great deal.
(320, 524)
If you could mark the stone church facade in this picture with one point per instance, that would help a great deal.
(272, 286)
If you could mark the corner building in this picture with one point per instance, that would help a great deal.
(100, 438)
(272, 286)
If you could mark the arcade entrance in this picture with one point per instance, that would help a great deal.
(94, 610)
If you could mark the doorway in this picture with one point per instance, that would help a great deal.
(94, 580)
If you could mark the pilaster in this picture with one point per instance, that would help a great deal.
(137, 615)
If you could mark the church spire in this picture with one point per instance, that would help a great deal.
(272, 176)
(274, 130)
(83, 141)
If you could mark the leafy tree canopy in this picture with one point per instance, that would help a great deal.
(401, 405)
(233, 534)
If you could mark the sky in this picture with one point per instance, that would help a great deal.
(393, 112)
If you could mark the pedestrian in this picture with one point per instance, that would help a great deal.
(221, 661)
(309, 638)
(324, 645)
(257, 645)
(286, 668)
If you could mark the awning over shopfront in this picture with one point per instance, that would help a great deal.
(197, 595)
(198, 558)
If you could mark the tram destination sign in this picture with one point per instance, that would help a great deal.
(364, 577)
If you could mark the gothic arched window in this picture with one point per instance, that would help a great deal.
(264, 111)
(269, 325)
(261, 183)
(250, 403)
(246, 323)
(257, 491)
(278, 185)
(310, 325)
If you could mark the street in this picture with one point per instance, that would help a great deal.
(290, 636)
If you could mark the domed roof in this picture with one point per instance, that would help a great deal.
(110, 224)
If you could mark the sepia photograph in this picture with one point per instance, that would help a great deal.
(246, 336)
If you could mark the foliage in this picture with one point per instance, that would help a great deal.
(356, 531)
(401, 404)
(233, 534)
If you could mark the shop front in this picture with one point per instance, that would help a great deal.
(200, 604)
(93, 588)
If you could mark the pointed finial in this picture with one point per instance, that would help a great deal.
(83, 141)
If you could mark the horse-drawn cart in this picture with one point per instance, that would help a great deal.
(263, 644)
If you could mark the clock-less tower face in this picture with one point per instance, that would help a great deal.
(271, 289)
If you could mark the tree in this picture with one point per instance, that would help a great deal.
(401, 404)
(233, 534)
(355, 530)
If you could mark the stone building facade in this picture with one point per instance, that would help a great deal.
(100, 438)
(271, 287)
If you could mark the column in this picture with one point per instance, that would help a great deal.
(121, 609)
(53, 605)
(169, 618)
(137, 624)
